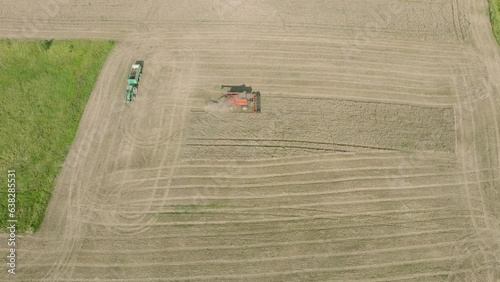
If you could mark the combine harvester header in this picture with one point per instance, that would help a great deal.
(240, 98)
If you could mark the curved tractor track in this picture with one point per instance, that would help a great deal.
(375, 158)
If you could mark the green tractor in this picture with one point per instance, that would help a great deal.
(133, 80)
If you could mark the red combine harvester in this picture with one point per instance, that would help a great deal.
(240, 98)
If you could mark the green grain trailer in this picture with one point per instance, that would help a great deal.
(133, 80)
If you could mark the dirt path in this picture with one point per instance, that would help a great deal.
(158, 190)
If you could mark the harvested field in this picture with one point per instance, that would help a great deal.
(295, 126)
(375, 158)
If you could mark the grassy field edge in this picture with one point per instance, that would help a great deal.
(48, 84)
(495, 17)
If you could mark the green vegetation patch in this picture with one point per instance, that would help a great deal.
(45, 87)
(495, 18)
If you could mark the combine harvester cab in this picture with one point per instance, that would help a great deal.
(241, 98)
(133, 78)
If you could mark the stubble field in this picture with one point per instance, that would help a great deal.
(375, 157)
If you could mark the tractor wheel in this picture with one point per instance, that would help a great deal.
(134, 92)
(244, 108)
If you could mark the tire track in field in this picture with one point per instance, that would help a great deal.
(335, 192)
(398, 236)
(79, 158)
(310, 270)
(255, 221)
(405, 49)
(403, 224)
(413, 73)
(327, 77)
(468, 154)
(191, 69)
(139, 222)
(332, 180)
(406, 186)
(397, 48)
(303, 209)
(338, 163)
(143, 139)
(96, 195)
(301, 182)
(278, 45)
(78, 27)
(487, 252)
(207, 245)
(274, 259)
(473, 112)
(378, 159)
(309, 172)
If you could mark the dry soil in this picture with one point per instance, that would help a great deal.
(376, 157)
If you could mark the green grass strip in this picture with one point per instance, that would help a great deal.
(495, 18)
(45, 86)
